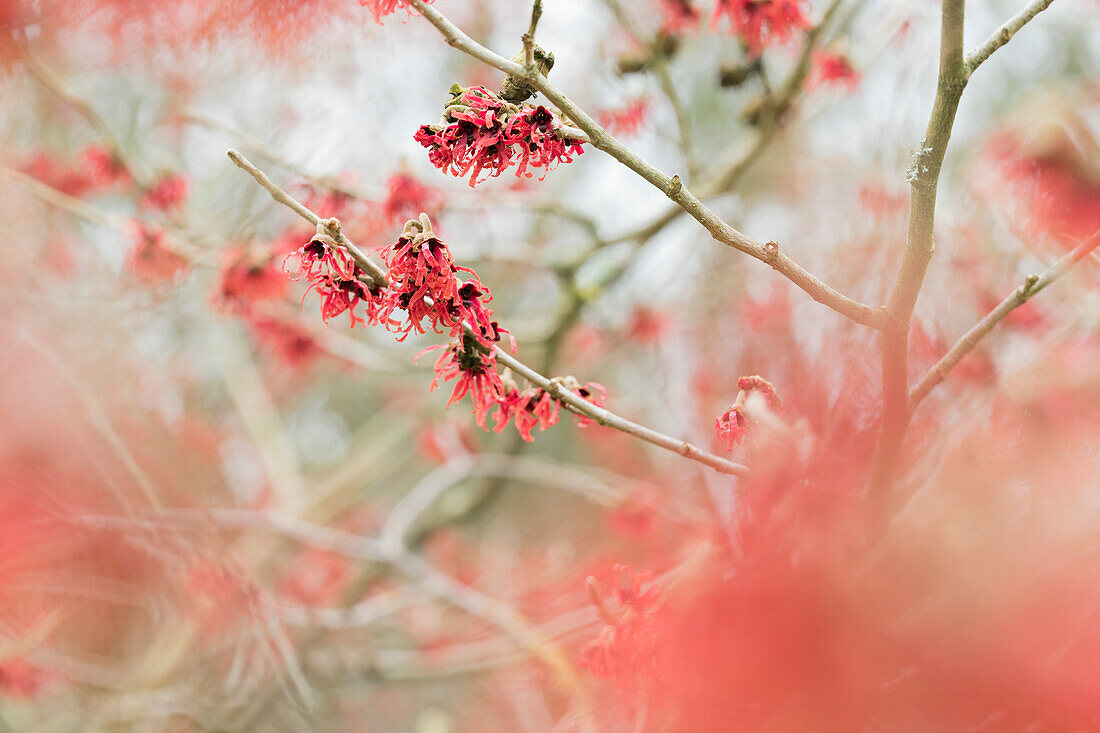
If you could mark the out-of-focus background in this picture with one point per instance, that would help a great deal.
(193, 466)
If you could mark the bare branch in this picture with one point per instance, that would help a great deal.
(1004, 34)
(1032, 285)
(671, 186)
(266, 152)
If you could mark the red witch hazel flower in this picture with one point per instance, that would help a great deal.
(336, 277)
(678, 16)
(406, 197)
(833, 68)
(474, 372)
(382, 8)
(150, 258)
(424, 284)
(423, 280)
(537, 408)
(289, 342)
(104, 167)
(482, 132)
(167, 194)
(625, 646)
(627, 119)
(19, 679)
(732, 424)
(49, 170)
(247, 280)
(762, 23)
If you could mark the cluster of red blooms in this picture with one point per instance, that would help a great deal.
(533, 408)
(104, 167)
(406, 197)
(99, 168)
(624, 644)
(484, 133)
(627, 119)
(247, 280)
(833, 68)
(1050, 175)
(424, 292)
(424, 284)
(762, 23)
(678, 16)
(166, 194)
(335, 276)
(732, 424)
(382, 8)
(150, 258)
(291, 343)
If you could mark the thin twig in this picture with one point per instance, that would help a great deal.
(572, 401)
(664, 78)
(266, 152)
(529, 37)
(1004, 34)
(331, 225)
(1032, 285)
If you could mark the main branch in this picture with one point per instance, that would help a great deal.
(924, 179)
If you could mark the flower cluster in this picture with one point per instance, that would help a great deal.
(406, 197)
(483, 133)
(424, 292)
(337, 278)
(167, 194)
(150, 258)
(678, 16)
(627, 119)
(761, 23)
(833, 68)
(731, 425)
(382, 8)
(247, 280)
(536, 407)
(289, 342)
(104, 167)
(474, 372)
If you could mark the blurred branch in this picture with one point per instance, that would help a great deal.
(1031, 287)
(94, 215)
(672, 187)
(330, 341)
(332, 226)
(506, 619)
(260, 416)
(66, 203)
(64, 91)
(266, 152)
(553, 387)
(664, 78)
(99, 418)
(281, 523)
(1004, 34)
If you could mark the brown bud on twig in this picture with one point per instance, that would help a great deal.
(734, 75)
(517, 90)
